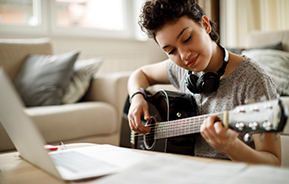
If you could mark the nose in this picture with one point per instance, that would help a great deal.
(185, 54)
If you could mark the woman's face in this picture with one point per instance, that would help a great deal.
(187, 43)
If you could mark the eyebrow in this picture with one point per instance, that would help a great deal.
(179, 35)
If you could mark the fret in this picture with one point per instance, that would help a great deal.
(180, 127)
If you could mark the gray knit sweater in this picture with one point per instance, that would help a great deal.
(247, 81)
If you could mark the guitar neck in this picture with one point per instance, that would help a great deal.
(180, 127)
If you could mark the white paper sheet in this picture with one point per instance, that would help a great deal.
(173, 170)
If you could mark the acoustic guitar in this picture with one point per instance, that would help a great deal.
(174, 123)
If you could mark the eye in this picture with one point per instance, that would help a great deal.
(172, 51)
(188, 39)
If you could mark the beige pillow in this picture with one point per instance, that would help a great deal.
(80, 81)
(276, 63)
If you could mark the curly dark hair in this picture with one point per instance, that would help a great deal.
(156, 13)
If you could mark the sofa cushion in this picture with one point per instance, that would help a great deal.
(277, 46)
(79, 83)
(73, 121)
(259, 38)
(276, 63)
(43, 79)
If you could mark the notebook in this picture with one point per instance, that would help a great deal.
(69, 164)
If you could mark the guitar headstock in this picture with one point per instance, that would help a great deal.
(259, 117)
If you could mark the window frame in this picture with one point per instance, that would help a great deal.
(48, 25)
(26, 29)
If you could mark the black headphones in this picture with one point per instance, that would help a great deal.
(208, 82)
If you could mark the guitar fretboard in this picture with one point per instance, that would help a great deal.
(181, 126)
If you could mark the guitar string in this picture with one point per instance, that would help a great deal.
(181, 128)
(202, 117)
(189, 126)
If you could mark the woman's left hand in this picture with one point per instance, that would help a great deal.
(217, 135)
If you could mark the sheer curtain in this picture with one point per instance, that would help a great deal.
(240, 17)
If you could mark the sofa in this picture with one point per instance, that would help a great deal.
(95, 118)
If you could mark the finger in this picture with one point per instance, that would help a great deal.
(133, 127)
(147, 116)
(209, 126)
(133, 124)
(204, 131)
(220, 133)
(139, 127)
(144, 129)
(133, 118)
(219, 128)
(208, 130)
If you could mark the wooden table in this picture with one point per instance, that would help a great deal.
(14, 170)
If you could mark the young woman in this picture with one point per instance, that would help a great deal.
(187, 36)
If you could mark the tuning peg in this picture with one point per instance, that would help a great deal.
(267, 125)
(240, 125)
(248, 137)
(253, 125)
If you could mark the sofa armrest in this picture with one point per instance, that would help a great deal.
(110, 88)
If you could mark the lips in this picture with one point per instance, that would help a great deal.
(192, 61)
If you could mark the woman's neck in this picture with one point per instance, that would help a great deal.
(234, 61)
(217, 59)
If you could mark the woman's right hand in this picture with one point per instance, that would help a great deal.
(142, 78)
(138, 107)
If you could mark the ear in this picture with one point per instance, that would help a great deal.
(206, 24)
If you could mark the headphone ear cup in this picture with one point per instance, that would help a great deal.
(191, 83)
(208, 82)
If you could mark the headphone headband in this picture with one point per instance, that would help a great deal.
(221, 71)
(208, 82)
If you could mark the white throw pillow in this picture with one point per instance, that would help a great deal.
(276, 63)
(80, 81)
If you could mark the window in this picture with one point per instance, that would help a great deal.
(21, 15)
(17, 12)
(93, 18)
(98, 14)
(108, 18)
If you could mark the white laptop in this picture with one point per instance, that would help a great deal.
(69, 164)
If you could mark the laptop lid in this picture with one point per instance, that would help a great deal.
(22, 131)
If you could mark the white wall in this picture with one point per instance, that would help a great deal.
(118, 55)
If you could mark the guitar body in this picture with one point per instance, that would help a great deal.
(165, 106)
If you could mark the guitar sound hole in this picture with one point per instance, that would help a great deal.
(150, 137)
